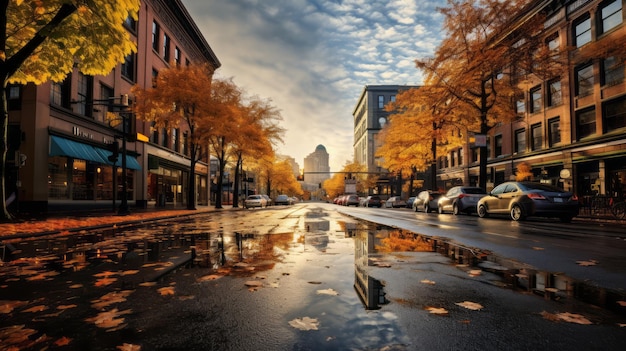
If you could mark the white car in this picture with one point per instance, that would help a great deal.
(255, 201)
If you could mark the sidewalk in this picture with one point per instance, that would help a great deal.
(72, 218)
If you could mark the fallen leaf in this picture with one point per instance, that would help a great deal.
(209, 277)
(622, 303)
(147, 284)
(7, 307)
(65, 307)
(552, 290)
(63, 341)
(587, 263)
(168, 290)
(621, 325)
(130, 272)
(436, 310)
(39, 308)
(306, 323)
(76, 286)
(129, 347)
(538, 248)
(327, 292)
(475, 272)
(426, 281)
(573, 318)
(253, 283)
(470, 305)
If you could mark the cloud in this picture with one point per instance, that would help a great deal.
(312, 58)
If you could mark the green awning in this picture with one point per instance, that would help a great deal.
(65, 147)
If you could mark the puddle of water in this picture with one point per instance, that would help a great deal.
(373, 240)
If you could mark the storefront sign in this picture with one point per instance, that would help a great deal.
(81, 133)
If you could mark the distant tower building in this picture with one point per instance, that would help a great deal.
(316, 168)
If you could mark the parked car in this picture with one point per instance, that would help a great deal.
(395, 201)
(372, 201)
(283, 200)
(255, 201)
(523, 199)
(268, 200)
(409, 202)
(461, 199)
(426, 201)
(351, 200)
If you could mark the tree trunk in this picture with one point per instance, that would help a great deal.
(236, 183)
(3, 151)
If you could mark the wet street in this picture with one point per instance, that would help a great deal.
(301, 277)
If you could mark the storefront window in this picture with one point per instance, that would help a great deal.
(72, 179)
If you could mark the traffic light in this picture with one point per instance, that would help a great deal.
(114, 147)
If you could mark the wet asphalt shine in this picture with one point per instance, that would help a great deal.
(301, 277)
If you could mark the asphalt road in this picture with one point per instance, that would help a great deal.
(287, 278)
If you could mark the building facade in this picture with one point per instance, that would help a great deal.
(370, 117)
(316, 166)
(571, 129)
(64, 135)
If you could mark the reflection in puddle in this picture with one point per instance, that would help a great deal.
(372, 241)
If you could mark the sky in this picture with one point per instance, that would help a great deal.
(313, 58)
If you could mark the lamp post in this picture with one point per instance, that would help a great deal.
(123, 209)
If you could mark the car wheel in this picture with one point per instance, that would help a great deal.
(482, 211)
(440, 209)
(517, 213)
(455, 209)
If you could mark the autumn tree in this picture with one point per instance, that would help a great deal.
(179, 99)
(421, 125)
(257, 131)
(336, 185)
(45, 40)
(283, 181)
(219, 131)
(476, 64)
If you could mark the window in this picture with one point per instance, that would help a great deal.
(520, 107)
(392, 98)
(612, 71)
(520, 140)
(554, 130)
(155, 133)
(156, 33)
(610, 15)
(131, 24)
(554, 92)
(381, 101)
(14, 97)
(535, 95)
(185, 143)
(586, 122)
(584, 80)
(177, 56)
(582, 31)
(165, 137)
(498, 145)
(453, 159)
(553, 42)
(155, 75)
(60, 93)
(85, 95)
(614, 114)
(175, 141)
(460, 163)
(475, 154)
(106, 94)
(128, 67)
(536, 135)
(166, 47)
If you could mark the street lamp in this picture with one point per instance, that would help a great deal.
(123, 114)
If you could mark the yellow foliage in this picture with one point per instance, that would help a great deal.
(92, 37)
(523, 172)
